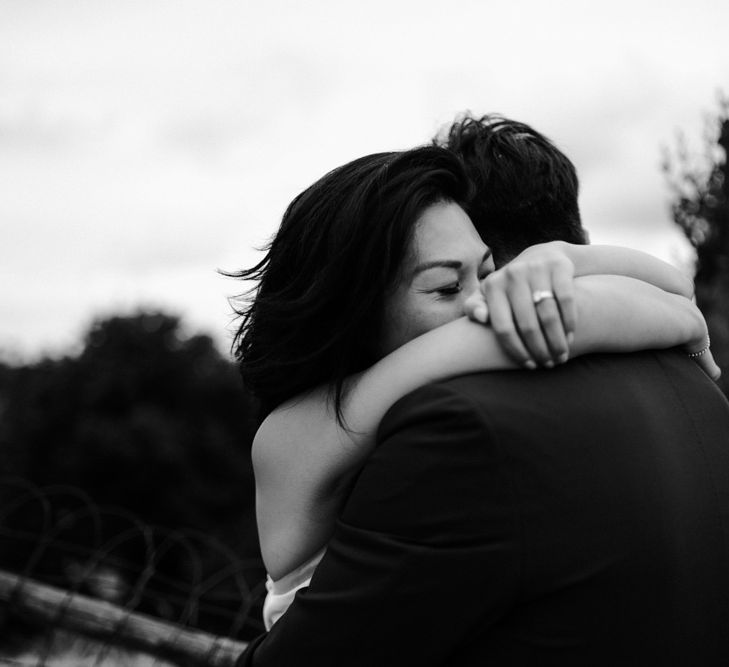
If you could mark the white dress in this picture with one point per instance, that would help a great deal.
(281, 592)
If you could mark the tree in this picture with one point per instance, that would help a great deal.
(148, 420)
(144, 418)
(700, 207)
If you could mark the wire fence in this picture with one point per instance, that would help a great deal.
(86, 585)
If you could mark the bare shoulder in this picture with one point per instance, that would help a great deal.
(295, 455)
(297, 438)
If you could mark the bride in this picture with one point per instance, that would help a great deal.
(361, 298)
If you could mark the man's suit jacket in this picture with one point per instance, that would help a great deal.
(578, 516)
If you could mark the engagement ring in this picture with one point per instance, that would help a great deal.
(540, 295)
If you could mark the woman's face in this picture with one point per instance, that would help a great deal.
(444, 264)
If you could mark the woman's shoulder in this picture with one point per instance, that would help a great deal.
(301, 440)
(288, 424)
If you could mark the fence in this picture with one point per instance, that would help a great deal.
(85, 585)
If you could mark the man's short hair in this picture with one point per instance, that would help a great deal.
(524, 188)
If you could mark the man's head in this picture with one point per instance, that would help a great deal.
(525, 189)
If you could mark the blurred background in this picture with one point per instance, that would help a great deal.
(147, 144)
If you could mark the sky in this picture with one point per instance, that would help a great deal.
(147, 144)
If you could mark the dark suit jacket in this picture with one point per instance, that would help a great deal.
(578, 516)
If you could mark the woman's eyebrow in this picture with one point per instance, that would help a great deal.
(438, 263)
(446, 263)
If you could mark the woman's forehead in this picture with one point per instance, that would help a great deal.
(444, 232)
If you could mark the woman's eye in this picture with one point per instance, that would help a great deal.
(449, 290)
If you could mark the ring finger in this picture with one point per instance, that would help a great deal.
(551, 323)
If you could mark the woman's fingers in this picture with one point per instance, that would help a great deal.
(550, 320)
(476, 309)
(530, 322)
(563, 286)
(538, 287)
(552, 293)
(502, 322)
(531, 289)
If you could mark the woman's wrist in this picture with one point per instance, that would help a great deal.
(621, 314)
(697, 341)
(703, 350)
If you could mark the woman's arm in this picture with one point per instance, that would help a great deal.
(539, 333)
(304, 459)
(590, 260)
(622, 314)
(614, 260)
(615, 314)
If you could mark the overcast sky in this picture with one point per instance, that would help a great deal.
(146, 144)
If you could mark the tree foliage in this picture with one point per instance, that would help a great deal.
(700, 207)
(144, 418)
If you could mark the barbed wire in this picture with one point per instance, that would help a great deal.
(63, 558)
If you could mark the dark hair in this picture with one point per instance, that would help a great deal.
(316, 314)
(524, 188)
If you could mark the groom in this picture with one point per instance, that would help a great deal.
(578, 516)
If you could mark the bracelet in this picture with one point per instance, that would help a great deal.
(696, 355)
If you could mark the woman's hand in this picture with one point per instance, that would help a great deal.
(530, 304)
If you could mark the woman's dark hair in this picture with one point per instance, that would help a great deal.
(316, 313)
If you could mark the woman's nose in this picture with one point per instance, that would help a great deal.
(473, 289)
